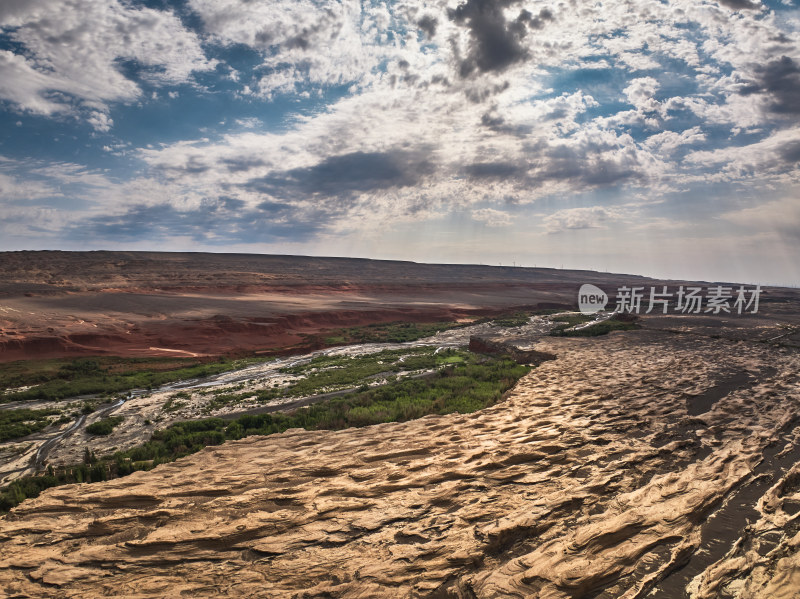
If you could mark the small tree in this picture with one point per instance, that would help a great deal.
(88, 456)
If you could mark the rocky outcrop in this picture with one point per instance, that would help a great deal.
(501, 347)
(589, 479)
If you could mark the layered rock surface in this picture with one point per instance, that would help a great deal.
(134, 304)
(591, 479)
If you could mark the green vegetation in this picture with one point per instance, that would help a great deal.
(464, 383)
(571, 320)
(327, 374)
(400, 332)
(104, 426)
(602, 328)
(88, 456)
(513, 320)
(30, 486)
(595, 330)
(59, 379)
(393, 332)
(172, 406)
(19, 423)
(472, 384)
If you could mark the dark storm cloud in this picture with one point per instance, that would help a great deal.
(603, 173)
(538, 22)
(585, 166)
(224, 221)
(780, 81)
(303, 39)
(428, 24)
(238, 165)
(790, 152)
(494, 122)
(274, 207)
(231, 203)
(495, 42)
(494, 170)
(193, 166)
(739, 4)
(482, 93)
(344, 175)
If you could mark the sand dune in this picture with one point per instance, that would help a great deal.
(590, 480)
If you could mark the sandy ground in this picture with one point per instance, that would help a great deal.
(592, 479)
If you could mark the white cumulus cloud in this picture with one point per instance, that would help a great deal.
(72, 52)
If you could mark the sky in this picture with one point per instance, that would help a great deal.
(642, 136)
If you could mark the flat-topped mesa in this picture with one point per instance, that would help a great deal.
(484, 345)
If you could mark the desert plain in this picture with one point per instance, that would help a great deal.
(661, 461)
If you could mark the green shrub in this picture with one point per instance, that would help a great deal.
(392, 332)
(54, 379)
(23, 422)
(514, 320)
(104, 426)
(595, 330)
(466, 383)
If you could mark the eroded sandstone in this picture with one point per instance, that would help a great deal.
(591, 479)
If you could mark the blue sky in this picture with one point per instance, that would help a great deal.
(644, 136)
